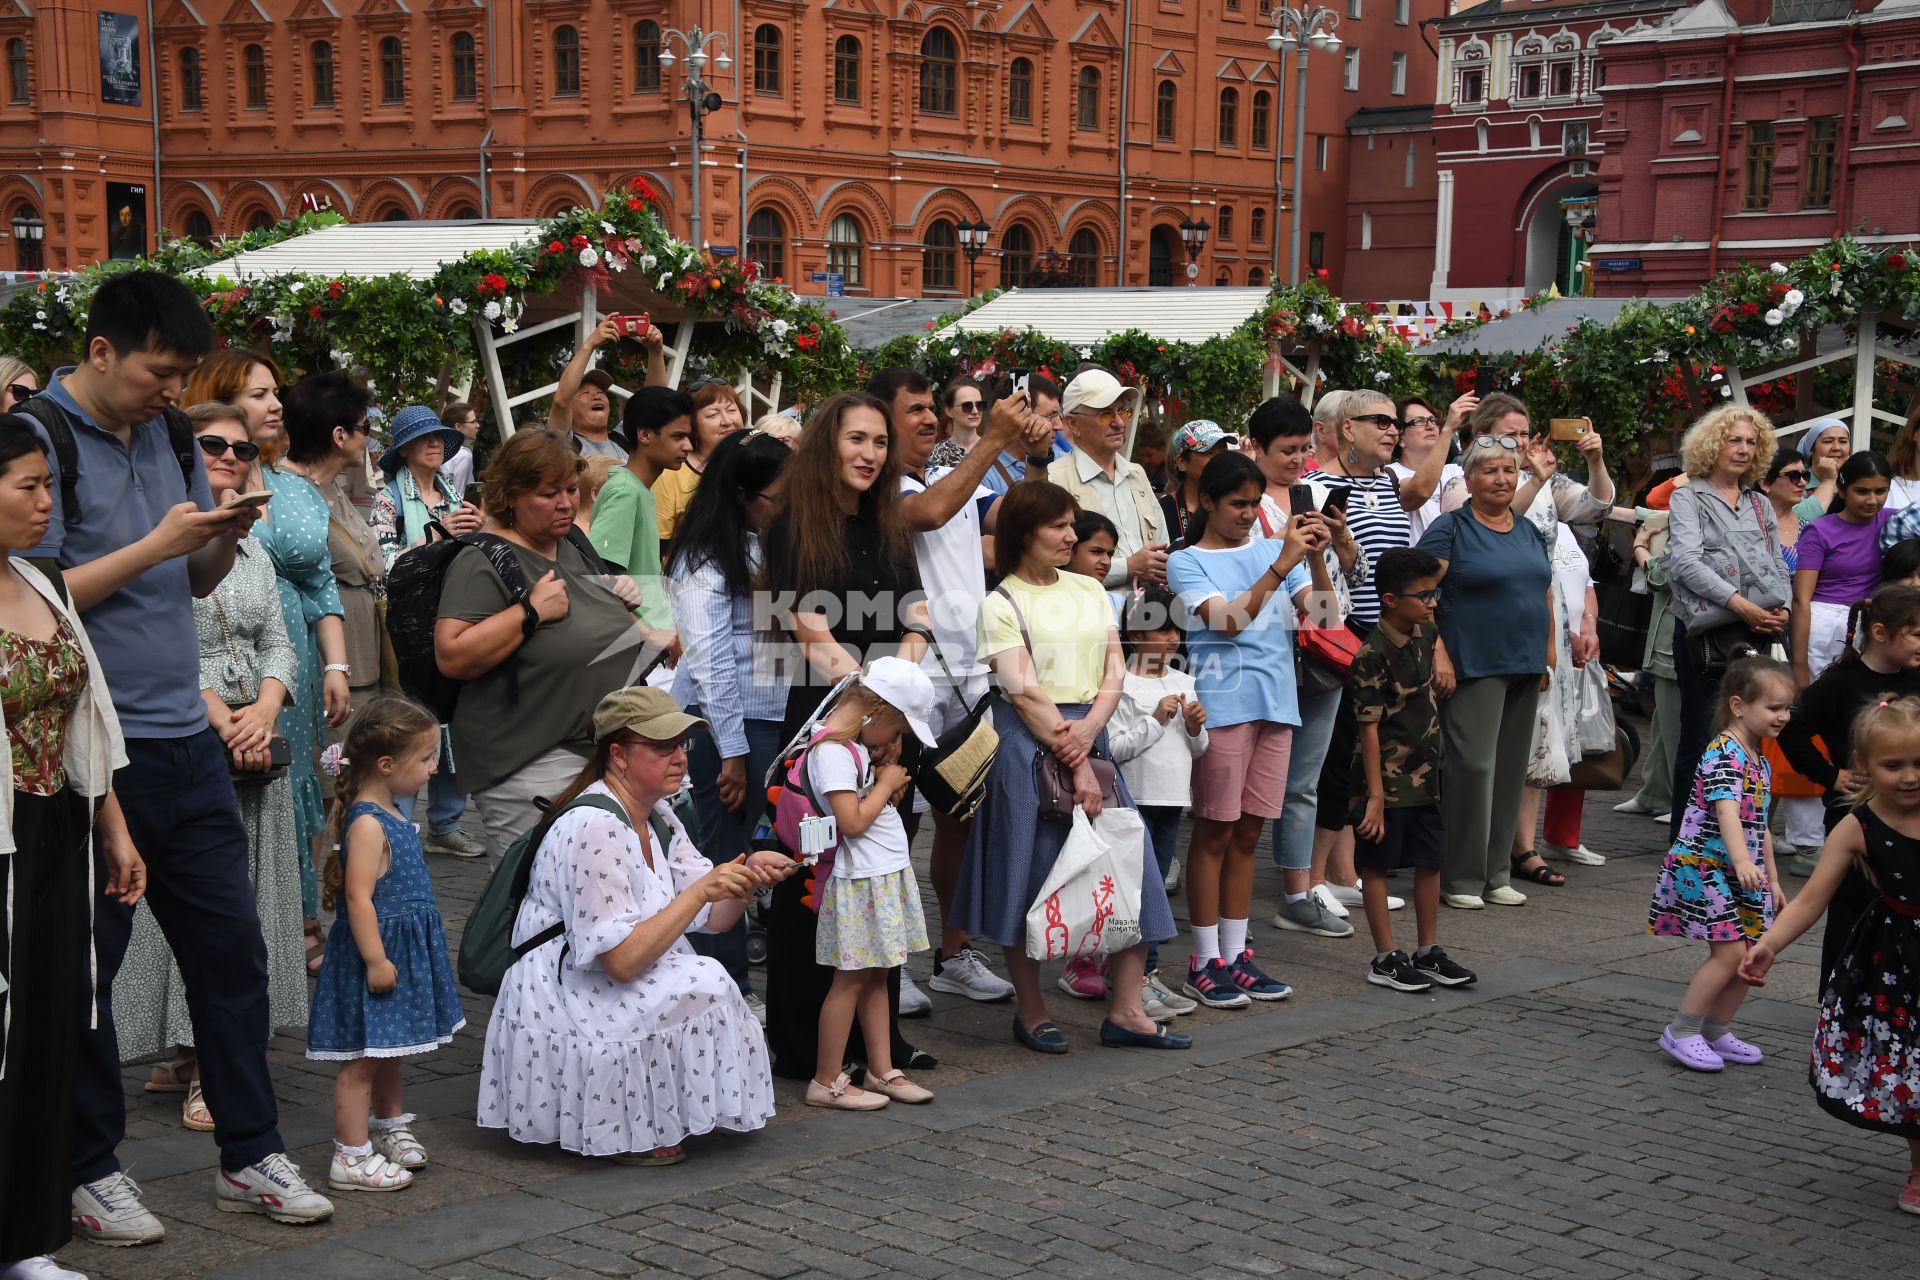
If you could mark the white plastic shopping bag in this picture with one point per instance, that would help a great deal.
(1090, 904)
(1596, 711)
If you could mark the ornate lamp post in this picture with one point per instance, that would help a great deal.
(700, 98)
(1298, 31)
(1194, 236)
(973, 242)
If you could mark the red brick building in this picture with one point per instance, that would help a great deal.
(1517, 132)
(1755, 130)
(853, 136)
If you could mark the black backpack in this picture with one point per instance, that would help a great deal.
(413, 606)
(66, 454)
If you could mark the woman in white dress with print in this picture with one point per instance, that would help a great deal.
(612, 1038)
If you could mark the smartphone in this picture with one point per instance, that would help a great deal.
(1300, 499)
(473, 495)
(258, 498)
(1486, 380)
(1336, 501)
(1567, 430)
(1021, 377)
(634, 326)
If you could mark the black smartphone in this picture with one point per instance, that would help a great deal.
(1486, 380)
(1300, 499)
(1336, 501)
(473, 494)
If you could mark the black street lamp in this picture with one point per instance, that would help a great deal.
(1194, 236)
(28, 234)
(700, 100)
(973, 242)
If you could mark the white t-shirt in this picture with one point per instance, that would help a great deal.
(954, 572)
(1429, 511)
(882, 848)
(1155, 759)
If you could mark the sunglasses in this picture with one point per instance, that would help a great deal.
(1384, 421)
(1795, 476)
(214, 446)
(968, 406)
(21, 391)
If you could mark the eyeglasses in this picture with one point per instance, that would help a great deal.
(1424, 420)
(968, 406)
(21, 391)
(665, 748)
(1424, 597)
(1509, 443)
(1111, 413)
(1384, 421)
(214, 446)
(1795, 476)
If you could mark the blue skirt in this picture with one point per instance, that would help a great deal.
(1011, 849)
(420, 1014)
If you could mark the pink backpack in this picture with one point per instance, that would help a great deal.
(797, 802)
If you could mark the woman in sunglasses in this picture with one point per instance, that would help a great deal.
(247, 671)
(963, 412)
(1421, 433)
(18, 382)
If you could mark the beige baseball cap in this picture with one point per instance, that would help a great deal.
(1095, 389)
(651, 713)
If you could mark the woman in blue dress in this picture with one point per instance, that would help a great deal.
(326, 426)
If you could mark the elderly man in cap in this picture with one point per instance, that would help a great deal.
(1098, 410)
(582, 402)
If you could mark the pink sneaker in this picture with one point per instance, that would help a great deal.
(1733, 1049)
(1083, 979)
(1910, 1193)
(1691, 1052)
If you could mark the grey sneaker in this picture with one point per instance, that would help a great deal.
(965, 973)
(456, 843)
(1310, 915)
(757, 1007)
(1802, 864)
(914, 1003)
(1168, 997)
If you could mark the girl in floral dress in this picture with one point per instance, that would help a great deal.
(1715, 885)
(1866, 1063)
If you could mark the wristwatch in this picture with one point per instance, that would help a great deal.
(341, 667)
(531, 621)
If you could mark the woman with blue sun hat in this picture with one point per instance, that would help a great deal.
(416, 491)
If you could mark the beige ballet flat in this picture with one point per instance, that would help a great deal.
(835, 1097)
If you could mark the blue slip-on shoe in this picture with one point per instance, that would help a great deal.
(1115, 1036)
(1045, 1038)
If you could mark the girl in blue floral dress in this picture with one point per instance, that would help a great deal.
(386, 989)
(1715, 884)
(1866, 1061)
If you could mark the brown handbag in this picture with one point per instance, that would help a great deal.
(1053, 781)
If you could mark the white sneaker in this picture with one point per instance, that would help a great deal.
(371, 1172)
(758, 1007)
(1663, 818)
(1329, 900)
(1579, 855)
(1464, 901)
(965, 973)
(108, 1211)
(40, 1268)
(1349, 895)
(273, 1187)
(914, 1003)
(1168, 997)
(1506, 896)
(1632, 806)
(1173, 876)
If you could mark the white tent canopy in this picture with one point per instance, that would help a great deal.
(1083, 316)
(419, 249)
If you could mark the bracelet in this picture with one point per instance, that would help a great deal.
(341, 667)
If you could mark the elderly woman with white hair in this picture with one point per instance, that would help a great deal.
(1495, 618)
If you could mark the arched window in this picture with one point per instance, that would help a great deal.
(566, 62)
(1257, 226)
(940, 257)
(1166, 101)
(1225, 230)
(260, 220)
(1084, 258)
(767, 243)
(939, 72)
(19, 71)
(1160, 256)
(466, 67)
(1221, 279)
(199, 228)
(846, 249)
(1229, 117)
(30, 250)
(321, 62)
(766, 60)
(253, 62)
(646, 56)
(1016, 256)
(1087, 98)
(1261, 123)
(1255, 276)
(395, 214)
(192, 82)
(465, 213)
(1020, 91)
(393, 71)
(846, 71)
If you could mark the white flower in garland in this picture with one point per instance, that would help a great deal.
(660, 285)
(509, 324)
(458, 306)
(491, 311)
(1381, 375)
(1778, 268)
(616, 263)
(589, 257)
(607, 228)
(648, 262)
(780, 327)
(1793, 300)
(1775, 317)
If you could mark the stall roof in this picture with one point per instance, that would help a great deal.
(1176, 314)
(1531, 330)
(869, 322)
(416, 249)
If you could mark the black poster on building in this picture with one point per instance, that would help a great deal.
(126, 219)
(120, 59)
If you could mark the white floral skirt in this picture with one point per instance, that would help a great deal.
(872, 923)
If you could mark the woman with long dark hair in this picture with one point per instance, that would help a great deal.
(1837, 563)
(844, 585)
(725, 678)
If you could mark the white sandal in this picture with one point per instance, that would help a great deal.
(400, 1147)
(371, 1172)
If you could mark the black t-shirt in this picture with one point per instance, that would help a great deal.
(1826, 709)
(864, 602)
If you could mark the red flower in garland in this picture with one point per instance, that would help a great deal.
(1748, 310)
(335, 288)
(580, 242)
(1897, 261)
(641, 189)
(314, 311)
(1321, 273)
(555, 247)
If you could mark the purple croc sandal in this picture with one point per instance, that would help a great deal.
(1691, 1052)
(1732, 1048)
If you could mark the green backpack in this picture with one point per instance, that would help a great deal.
(486, 947)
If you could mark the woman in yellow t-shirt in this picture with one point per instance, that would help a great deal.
(1050, 637)
(717, 414)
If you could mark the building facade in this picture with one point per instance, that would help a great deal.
(1517, 130)
(1755, 130)
(852, 140)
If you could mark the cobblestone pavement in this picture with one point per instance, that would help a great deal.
(1523, 1127)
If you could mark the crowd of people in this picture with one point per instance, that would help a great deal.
(688, 673)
